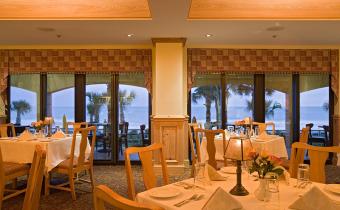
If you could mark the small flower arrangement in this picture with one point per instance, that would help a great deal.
(38, 125)
(263, 163)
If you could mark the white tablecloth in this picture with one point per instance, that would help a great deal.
(288, 194)
(275, 145)
(56, 151)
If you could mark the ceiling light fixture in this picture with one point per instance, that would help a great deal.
(208, 35)
(130, 35)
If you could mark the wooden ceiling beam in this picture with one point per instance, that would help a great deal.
(264, 9)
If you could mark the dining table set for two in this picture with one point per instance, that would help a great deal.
(210, 190)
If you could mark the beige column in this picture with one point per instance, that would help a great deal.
(169, 121)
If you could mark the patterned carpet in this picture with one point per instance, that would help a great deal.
(115, 178)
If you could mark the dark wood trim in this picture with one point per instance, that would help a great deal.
(296, 107)
(331, 112)
(8, 106)
(150, 114)
(223, 101)
(43, 96)
(114, 117)
(259, 98)
(80, 97)
(189, 106)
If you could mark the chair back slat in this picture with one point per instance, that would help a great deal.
(318, 157)
(35, 179)
(7, 128)
(146, 155)
(211, 148)
(149, 177)
(81, 157)
(104, 195)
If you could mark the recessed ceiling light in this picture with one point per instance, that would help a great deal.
(130, 35)
(208, 35)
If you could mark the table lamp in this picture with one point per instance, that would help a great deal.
(238, 149)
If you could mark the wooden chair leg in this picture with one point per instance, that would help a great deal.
(2, 191)
(47, 183)
(91, 178)
(73, 191)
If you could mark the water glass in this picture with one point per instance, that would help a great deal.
(199, 171)
(256, 129)
(302, 173)
(274, 193)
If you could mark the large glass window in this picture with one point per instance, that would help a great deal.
(278, 104)
(239, 97)
(25, 97)
(60, 98)
(206, 101)
(98, 113)
(314, 107)
(133, 113)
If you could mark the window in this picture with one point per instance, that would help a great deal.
(133, 113)
(25, 98)
(60, 98)
(278, 104)
(206, 101)
(314, 107)
(98, 113)
(239, 97)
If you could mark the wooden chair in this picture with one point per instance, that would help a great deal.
(76, 125)
(145, 141)
(301, 153)
(4, 128)
(146, 158)
(195, 145)
(9, 172)
(211, 148)
(123, 135)
(104, 195)
(318, 157)
(35, 179)
(75, 165)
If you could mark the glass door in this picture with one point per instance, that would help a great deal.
(133, 114)
(99, 114)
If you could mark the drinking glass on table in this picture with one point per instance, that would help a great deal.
(199, 177)
(302, 175)
(273, 188)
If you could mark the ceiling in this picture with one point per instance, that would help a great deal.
(169, 19)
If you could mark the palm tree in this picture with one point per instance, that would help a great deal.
(269, 107)
(209, 94)
(21, 107)
(125, 99)
(96, 101)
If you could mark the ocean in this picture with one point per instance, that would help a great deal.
(137, 115)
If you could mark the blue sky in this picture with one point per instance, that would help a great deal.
(316, 97)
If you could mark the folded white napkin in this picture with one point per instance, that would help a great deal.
(26, 135)
(314, 199)
(221, 200)
(212, 174)
(58, 135)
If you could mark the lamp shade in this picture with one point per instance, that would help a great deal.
(238, 149)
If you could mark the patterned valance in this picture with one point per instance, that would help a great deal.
(264, 61)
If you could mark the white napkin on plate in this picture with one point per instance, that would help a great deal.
(212, 174)
(58, 135)
(25, 136)
(314, 199)
(221, 200)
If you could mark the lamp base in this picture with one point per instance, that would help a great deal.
(239, 190)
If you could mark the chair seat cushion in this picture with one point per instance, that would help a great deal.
(66, 163)
(11, 168)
